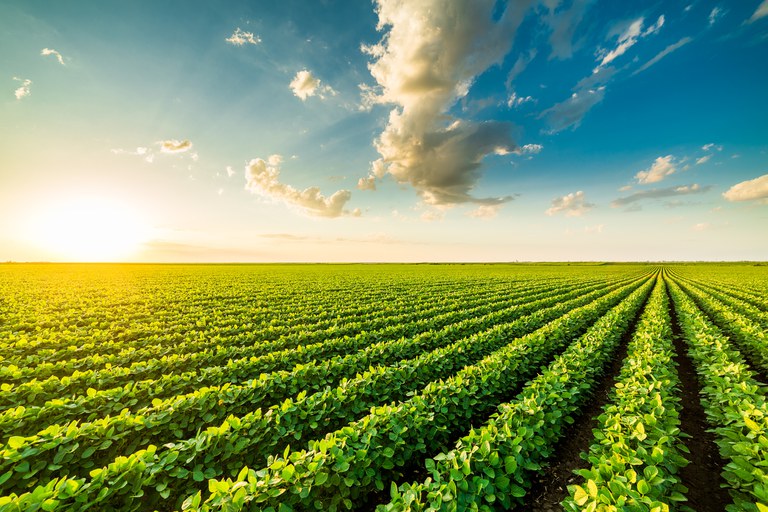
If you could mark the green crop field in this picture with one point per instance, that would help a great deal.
(384, 387)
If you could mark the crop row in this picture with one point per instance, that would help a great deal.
(251, 438)
(492, 466)
(735, 404)
(749, 336)
(341, 470)
(638, 450)
(231, 364)
(131, 325)
(25, 419)
(180, 417)
(194, 342)
(734, 301)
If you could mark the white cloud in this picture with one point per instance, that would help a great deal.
(570, 112)
(711, 146)
(485, 211)
(515, 100)
(627, 37)
(760, 12)
(230, 171)
(663, 53)
(240, 38)
(174, 146)
(750, 190)
(529, 149)
(589, 91)
(703, 159)
(625, 41)
(687, 189)
(367, 183)
(658, 193)
(563, 25)
(715, 14)
(662, 167)
(50, 51)
(427, 60)
(23, 90)
(653, 29)
(572, 204)
(305, 84)
(262, 178)
(625, 188)
(140, 151)
(519, 66)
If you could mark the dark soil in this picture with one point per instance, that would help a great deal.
(551, 486)
(702, 475)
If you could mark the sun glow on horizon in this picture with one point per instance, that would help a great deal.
(89, 229)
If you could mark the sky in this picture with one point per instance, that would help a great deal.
(392, 130)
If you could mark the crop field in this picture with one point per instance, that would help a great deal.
(384, 387)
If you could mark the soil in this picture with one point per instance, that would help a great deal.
(702, 475)
(551, 486)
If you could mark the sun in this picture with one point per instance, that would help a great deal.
(89, 229)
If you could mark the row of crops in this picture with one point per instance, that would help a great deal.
(377, 387)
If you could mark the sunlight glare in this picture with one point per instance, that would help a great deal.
(89, 230)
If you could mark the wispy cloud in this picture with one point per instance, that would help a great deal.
(519, 66)
(263, 178)
(427, 61)
(563, 25)
(626, 38)
(485, 211)
(570, 112)
(663, 53)
(750, 190)
(715, 14)
(711, 146)
(240, 38)
(703, 159)
(662, 167)
(24, 89)
(143, 152)
(589, 91)
(760, 12)
(573, 205)
(658, 193)
(516, 101)
(50, 51)
(305, 85)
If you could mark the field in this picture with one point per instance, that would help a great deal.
(384, 387)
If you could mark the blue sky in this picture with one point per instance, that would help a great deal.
(410, 130)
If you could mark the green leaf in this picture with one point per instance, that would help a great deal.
(16, 442)
(580, 496)
(321, 478)
(516, 491)
(592, 488)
